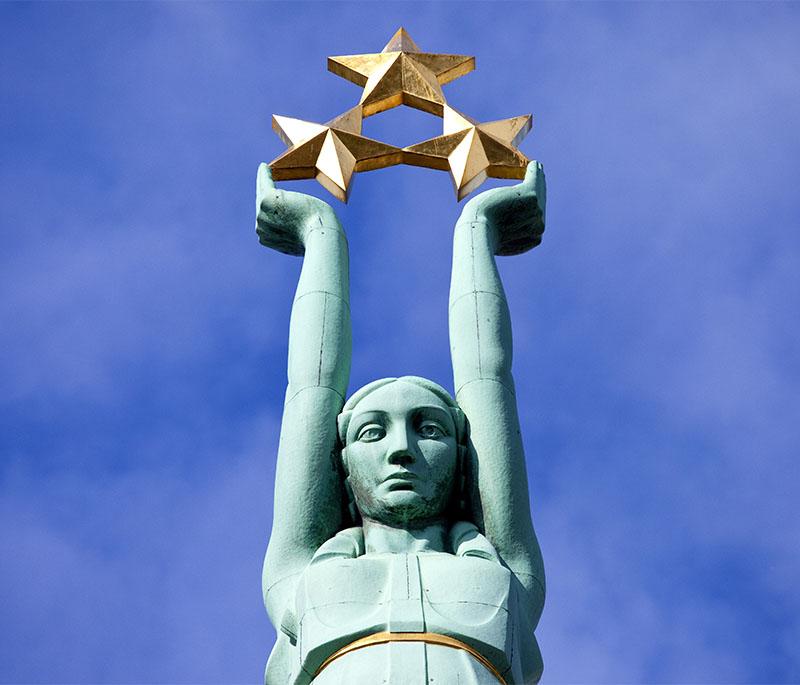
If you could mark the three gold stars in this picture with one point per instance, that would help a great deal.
(400, 75)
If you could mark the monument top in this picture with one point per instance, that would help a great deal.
(402, 545)
(401, 74)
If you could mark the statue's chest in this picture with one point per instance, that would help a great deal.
(341, 600)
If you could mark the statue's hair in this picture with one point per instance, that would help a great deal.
(346, 414)
(458, 507)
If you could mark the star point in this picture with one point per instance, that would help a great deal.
(401, 75)
(401, 42)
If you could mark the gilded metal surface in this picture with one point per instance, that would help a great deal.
(471, 152)
(429, 638)
(400, 75)
(330, 152)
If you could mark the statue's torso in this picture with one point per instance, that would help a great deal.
(469, 598)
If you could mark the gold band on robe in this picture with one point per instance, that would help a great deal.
(429, 638)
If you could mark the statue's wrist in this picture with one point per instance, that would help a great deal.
(475, 208)
(325, 221)
(479, 226)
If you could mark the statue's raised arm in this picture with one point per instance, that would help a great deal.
(430, 584)
(308, 488)
(500, 221)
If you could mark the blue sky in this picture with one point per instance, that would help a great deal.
(143, 329)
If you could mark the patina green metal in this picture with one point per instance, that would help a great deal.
(402, 549)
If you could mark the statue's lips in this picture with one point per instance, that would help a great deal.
(400, 481)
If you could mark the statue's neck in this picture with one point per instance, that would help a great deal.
(380, 538)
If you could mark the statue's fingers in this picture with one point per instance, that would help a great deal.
(266, 223)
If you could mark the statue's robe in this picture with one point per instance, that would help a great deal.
(345, 595)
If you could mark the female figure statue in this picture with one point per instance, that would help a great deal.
(402, 549)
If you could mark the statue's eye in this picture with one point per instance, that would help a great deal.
(431, 431)
(371, 432)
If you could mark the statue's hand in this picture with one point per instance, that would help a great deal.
(284, 218)
(514, 213)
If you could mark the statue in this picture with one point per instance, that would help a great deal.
(402, 547)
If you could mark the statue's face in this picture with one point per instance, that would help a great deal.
(401, 455)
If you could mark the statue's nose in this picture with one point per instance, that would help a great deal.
(400, 450)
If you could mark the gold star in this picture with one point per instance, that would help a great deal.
(401, 75)
(330, 152)
(472, 151)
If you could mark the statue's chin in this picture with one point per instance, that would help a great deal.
(405, 508)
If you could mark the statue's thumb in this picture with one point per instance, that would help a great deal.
(264, 180)
(531, 173)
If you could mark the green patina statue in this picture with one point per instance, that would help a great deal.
(402, 549)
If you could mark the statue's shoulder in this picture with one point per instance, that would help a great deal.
(346, 544)
(464, 540)
(341, 568)
(467, 541)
